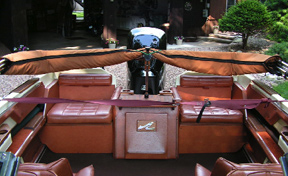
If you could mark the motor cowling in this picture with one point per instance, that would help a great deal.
(144, 37)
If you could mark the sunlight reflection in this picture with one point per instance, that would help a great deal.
(71, 47)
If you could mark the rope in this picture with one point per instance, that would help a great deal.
(118, 102)
(150, 53)
(228, 104)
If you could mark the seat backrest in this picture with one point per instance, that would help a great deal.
(224, 167)
(85, 86)
(198, 88)
(60, 167)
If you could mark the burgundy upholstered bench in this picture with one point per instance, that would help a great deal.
(81, 127)
(220, 129)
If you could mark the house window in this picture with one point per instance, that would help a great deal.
(230, 3)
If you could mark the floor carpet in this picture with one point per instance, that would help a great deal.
(106, 165)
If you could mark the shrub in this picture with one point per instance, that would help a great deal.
(279, 48)
(247, 17)
(279, 30)
(276, 4)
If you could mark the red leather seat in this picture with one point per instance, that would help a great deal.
(224, 167)
(220, 129)
(79, 113)
(80, 127)
(198, 88)
(210, 115)
(60, 167)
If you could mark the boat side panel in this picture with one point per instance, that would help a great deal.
(271, 113)
(20, 110)
(28, 118)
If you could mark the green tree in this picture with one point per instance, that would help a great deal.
(248, 17)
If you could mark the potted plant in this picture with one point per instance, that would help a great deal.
(20, 48)
(179, 40)
(112, 42)
(215, 29)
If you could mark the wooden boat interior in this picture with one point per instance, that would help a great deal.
(156, 140)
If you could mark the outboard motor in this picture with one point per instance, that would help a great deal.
(146, 37)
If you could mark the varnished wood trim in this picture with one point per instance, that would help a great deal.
(25, 85)
(20, 144)
(35, 121)
(269, 146)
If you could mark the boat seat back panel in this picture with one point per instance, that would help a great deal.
(198, 88)
(224, 167)
(60, 167)
(200, 81)
(85, 79)
(85, 86)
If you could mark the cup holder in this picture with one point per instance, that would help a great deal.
(285, 133)
(165, 92)
(3, 132)
(127, 91)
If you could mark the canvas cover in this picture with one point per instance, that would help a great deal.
(46, 61)
(218, 63)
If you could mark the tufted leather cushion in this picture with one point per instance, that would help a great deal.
(79, 113)
(224, 167)
(60, 167)
(210, 115)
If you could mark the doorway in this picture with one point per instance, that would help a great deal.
(194, 16)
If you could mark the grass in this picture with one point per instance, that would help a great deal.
(79, 14)
(282, 89)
